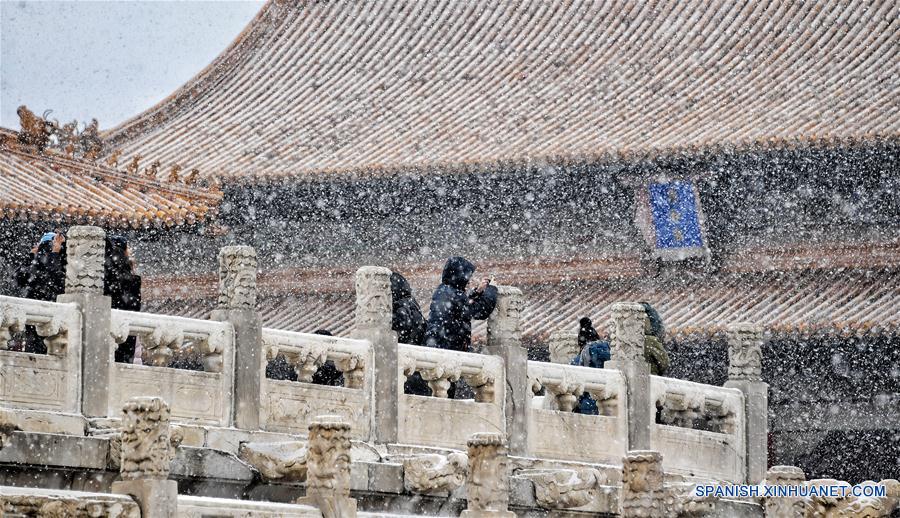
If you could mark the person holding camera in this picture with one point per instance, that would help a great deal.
(452, 309)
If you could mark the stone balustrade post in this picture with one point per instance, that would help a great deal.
(563, 345)
(643, 485)
(373, 322)
(237, 306)
(148, 448)
(626, 332)
(745, 373)
(85, 257)
(328, 468)
(504, 339)
(487, 485)
(785, 507)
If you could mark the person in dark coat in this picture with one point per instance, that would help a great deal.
(407, 318)
(43, 278)
(654, 336)
(595, 353)
(46, 277)
(123, 286)
(327, 374)
(408, 322)
(586, 332)
(452, 309)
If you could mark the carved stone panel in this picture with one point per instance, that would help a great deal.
(373, 298)
(643, 492)
(146, 449)
(85, 254)
(237, 277)
(745, 352)
(626, 332)
(430, 473)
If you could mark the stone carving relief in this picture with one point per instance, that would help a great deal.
(626, 332)
(487, 486)
(504, 323)
(354, 369)
(237, 277)
(441, 375)
(12, 320)
(851, 506)
(85, 249)
(47, 506)
(643, 492)
(564, 346)
(55, 333)
(284, 461)
(565, 488)
(430, 473)
(373, 298)
(147, 445)
(785, 507)
(328, 468)
(745, 352)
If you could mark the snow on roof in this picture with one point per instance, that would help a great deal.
(50, 187)
(331, 87)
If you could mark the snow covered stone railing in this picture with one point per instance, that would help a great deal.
(289, 407)
(199, 396)
(438, 421)
(41, 381)
(701, 429)
(556, 432)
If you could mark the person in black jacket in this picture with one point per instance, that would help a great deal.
(586, 332)
(43, 278)
(123, 286)
(407, 318)
(452, 310)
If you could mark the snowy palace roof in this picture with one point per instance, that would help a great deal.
(318, 87)
(50, 187)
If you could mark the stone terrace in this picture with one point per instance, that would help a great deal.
(84, 435)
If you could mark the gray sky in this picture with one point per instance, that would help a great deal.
(109, 60)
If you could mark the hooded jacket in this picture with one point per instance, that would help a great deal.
(46, 277)
(452, 310)
(407, 318)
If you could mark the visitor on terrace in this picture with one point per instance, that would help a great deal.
(43, 277)
(123, 286)
(408, 322)
(452, 309)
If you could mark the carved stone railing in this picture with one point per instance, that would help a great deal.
(438, 421)
(203, 396)
(290, 407)
(49, 381)
(700, 429)
(556, 432)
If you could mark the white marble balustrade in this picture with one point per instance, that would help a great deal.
(701, 432)
(203, 397)
(49, 381)
(556, 432)
(438, 421)
(289, 407)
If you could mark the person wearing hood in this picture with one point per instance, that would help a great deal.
(654, 336)
(594, 353)
(42, 278)
(407, 318)
(452, 309)
(123, 286)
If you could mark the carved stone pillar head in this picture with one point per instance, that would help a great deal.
(504, 323)
(626, 332)
(237, 277)
(328, 463)
(643, 490)
(785, 507)
(745, 352)
(373, 298)
(487, 487)
(146, 442)
(564, 346)
(328, 468)
(85, 254)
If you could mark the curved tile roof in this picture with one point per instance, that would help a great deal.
(802, 304)
(312, 87)
(54, 188)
